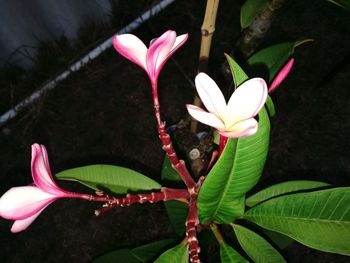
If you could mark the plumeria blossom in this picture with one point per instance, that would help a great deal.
(282, 74)
(236, 118)
(152, 59)
(24, 204)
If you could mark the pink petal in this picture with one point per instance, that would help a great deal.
(20, 225)
(22, 202)
(211, 95)
(205, 117)
(246, 101)
(159, 52)
(41, 171)
(132, 48)
(244, 128)
(282, 74)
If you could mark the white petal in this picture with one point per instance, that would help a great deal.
(246, 101)
(132, 48)
(179, 41)
(20, 225)
(243, 128)
(210, 95)
(205, 117)
(22, 202)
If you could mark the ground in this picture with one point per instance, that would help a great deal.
(103, 114)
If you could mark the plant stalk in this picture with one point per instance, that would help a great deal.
(178, 165)
(207, 31)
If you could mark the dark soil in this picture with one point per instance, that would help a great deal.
(103, 114)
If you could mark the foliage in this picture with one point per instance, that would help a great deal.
(310, 212)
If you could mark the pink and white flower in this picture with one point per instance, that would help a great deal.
(236, 118)
(24, 204)
(152, 59)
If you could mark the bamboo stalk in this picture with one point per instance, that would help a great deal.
(207, 31)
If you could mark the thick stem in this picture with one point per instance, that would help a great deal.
(191, 223)
(252, 35)
(207, 31)
(217, 233)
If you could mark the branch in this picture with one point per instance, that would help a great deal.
(129, 199)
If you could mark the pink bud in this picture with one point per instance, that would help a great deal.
(282, 74)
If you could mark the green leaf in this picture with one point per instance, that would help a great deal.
(177, 254)
(270, 106)
(229, 255)
(177, 212)
(282, 241)
(147, 252)
(141, 254)
(250, 9)
(256, 247)
(272, 58)
(111, 178)
(221, 197)
(282, 188)
(319, 219)
(342, 3)
(238, 75)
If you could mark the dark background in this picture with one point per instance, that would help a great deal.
(103, 114)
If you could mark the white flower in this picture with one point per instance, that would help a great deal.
(236, 118)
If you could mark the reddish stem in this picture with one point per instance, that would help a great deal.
(223, 141)
(191, 223)
(164, 195)
(178, 165)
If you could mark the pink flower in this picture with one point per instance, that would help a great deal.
(24, 204)
(153, 59)
(236, 118)
(282, 74)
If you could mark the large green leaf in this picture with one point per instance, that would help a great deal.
(250, 9)
(110, 178)
(238, 75)
(273, 58)
(280, 240)
(150, 251)
(177, 254)
(319, 219)
(282, 188)
(141, 254)
(177, 212)
(221, 197)
(256, 247)
(229, 255)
